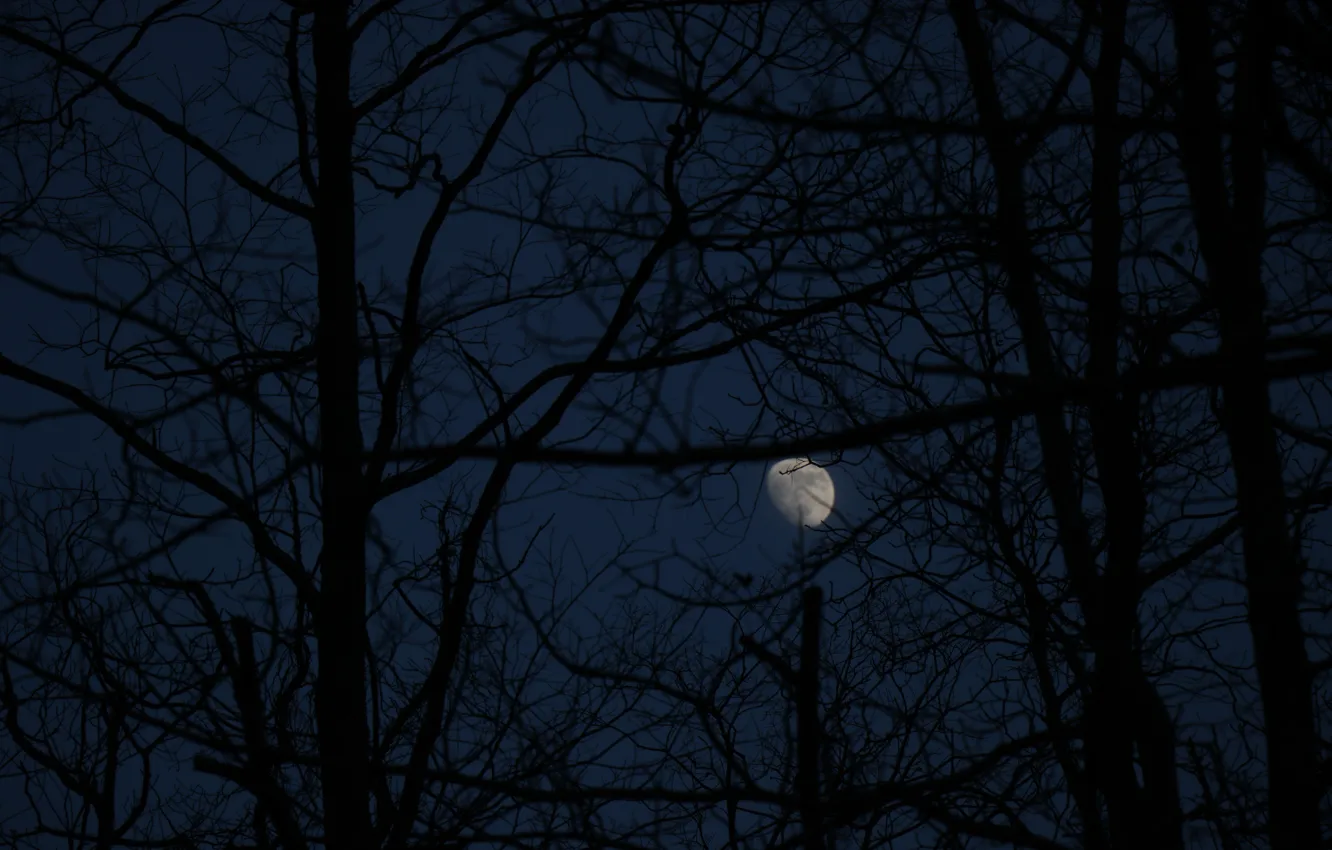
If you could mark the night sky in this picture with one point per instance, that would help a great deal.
(622, 547)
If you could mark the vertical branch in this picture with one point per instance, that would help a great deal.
(803, 685)
(1109, 601)
(1232, 239)
(809, 732)
(271, 802)
(1125, 707)
(1058, 451)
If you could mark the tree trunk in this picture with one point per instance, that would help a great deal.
(1118, 691)
(340, 693)
(1231, 239)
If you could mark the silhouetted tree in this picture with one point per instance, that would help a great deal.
(983, 256)
(258, 384)
(1122, 345)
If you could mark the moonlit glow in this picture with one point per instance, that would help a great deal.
(801, 491)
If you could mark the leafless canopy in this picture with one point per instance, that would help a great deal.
(291, 288)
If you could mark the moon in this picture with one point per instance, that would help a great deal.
(801, 491)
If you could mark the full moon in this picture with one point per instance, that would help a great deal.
(802, 491)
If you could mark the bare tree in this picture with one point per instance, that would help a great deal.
(964, 250)
(1043, 150)
(1233, 234)
(252, 378)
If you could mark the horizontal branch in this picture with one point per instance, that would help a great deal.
(1025, 397)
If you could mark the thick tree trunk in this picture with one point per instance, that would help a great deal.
(1125, 709)
(1118, 691)
(340, 693)
(1231, 240)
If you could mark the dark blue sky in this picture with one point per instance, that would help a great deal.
(619, 525)
(730, 519)
(611, 526)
